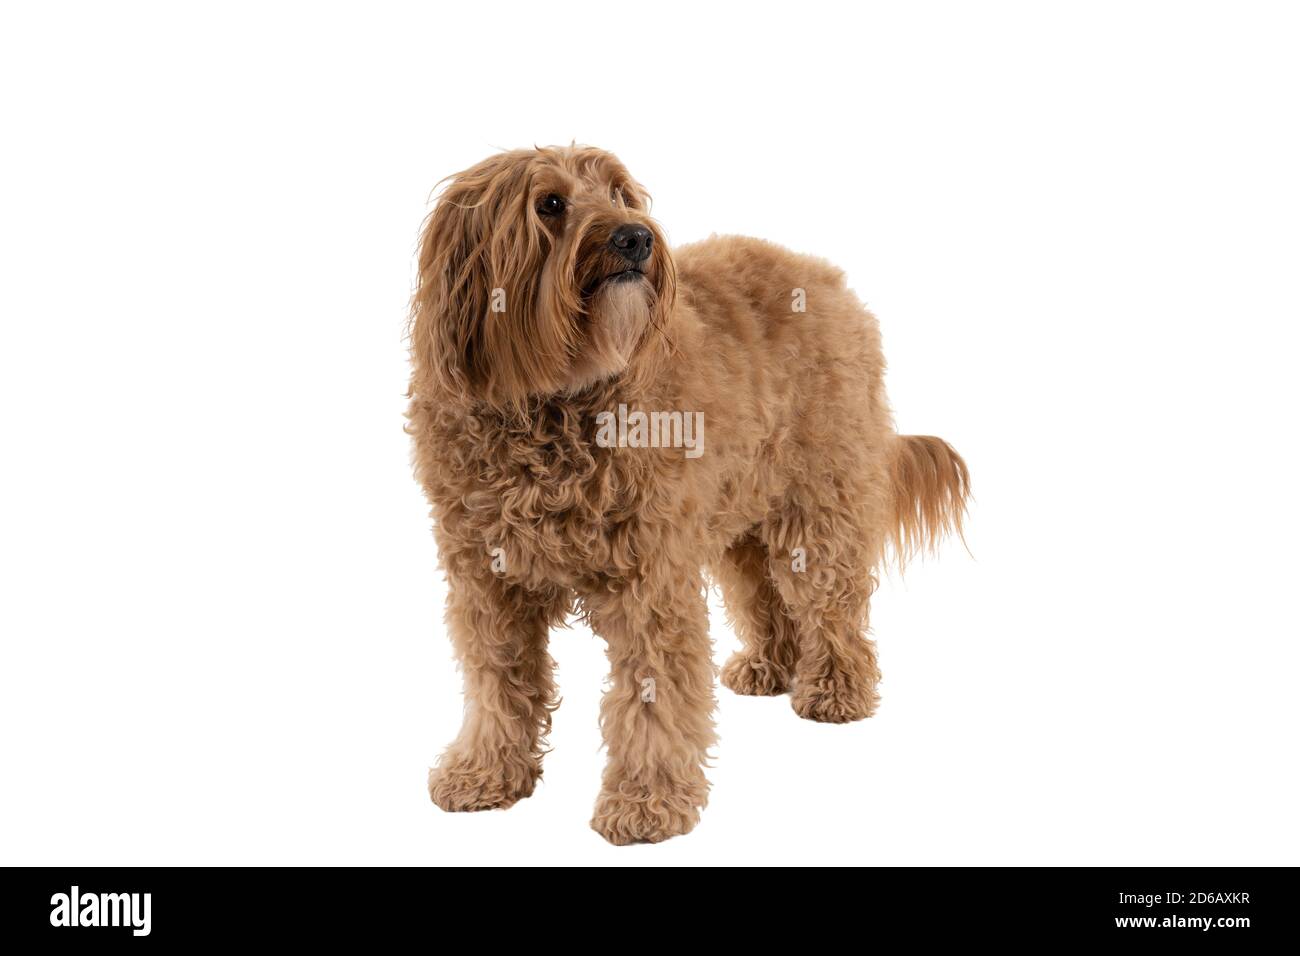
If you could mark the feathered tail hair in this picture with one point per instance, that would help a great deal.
(931, 485)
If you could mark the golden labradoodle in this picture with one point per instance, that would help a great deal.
(597, 420)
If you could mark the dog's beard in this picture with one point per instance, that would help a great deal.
(618, 316)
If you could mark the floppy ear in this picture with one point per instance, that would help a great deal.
(452, 297)
(479, 324)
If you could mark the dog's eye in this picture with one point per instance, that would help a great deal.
(552, 205)
(625, 197)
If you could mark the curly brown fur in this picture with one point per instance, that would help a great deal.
(521, 337)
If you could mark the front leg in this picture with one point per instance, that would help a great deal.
(657, 716)
(500, 634)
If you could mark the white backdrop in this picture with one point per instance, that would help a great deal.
(222, 635)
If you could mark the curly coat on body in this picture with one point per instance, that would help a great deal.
(547, 303)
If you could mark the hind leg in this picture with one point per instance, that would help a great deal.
(765, 664)
(827, 594)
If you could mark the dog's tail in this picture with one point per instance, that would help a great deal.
(931, 485)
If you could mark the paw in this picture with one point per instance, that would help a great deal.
(480, 782)
(834, 700)
(753, 677)
(636, 814)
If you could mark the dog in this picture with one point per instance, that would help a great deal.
(560, 355)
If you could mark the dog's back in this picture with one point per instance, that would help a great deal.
(788, 365)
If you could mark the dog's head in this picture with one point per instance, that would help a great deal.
(540, 274)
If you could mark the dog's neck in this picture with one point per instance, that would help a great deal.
(646, 381)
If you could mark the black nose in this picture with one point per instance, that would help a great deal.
(632, 242)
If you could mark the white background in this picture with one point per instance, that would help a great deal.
(1077, 223)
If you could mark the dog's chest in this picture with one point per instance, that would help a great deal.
(561, 509)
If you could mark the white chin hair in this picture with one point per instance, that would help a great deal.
(619, 315)
(621, 311)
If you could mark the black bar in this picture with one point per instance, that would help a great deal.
(1178, 906)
